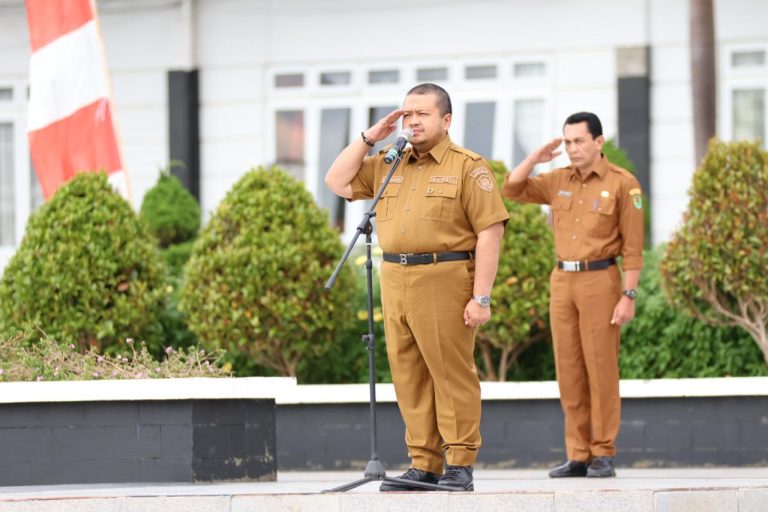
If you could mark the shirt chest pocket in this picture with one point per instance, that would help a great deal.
(387, 205)
(601, 219)
(561, 212)
(439, 202)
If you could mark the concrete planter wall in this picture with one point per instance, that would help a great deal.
(174, 430)
(665, 423)
(203, 430)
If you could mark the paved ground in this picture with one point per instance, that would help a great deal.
(634, 490)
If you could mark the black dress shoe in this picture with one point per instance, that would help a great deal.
(601, 467)
(458, 477)
(413, 475)
(570, 468)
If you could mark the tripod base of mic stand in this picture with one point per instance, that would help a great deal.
(374, 472)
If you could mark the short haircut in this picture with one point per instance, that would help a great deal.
(594, 125)
(443, 100)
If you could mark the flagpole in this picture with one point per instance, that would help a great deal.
(111, 100)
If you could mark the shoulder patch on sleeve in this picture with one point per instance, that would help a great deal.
(635, 192)
(483, 178)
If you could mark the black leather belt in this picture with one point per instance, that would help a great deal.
(426, 258)
(583, 266)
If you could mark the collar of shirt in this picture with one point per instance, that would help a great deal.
(437, 153)
(601, 169)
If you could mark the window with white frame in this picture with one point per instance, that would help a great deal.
(374, 114)
(432, 74)
(17, 183)
(334, 136)
(748, 113)
(501, 111)
(528, 127)
(7, 185)
(746, 93)
(480, 121)
(289, 141)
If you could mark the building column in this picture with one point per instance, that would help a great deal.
(634, 109)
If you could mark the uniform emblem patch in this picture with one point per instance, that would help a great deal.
(485, 182)
(637, 200)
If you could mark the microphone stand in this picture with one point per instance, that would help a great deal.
(374, 470)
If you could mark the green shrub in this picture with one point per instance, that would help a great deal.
(87, 268)
(715, 265)
(347, 359)
(255, 282)
(176, 257)
(173, 215)
(520, 294)
(171, 212)
(618, 156)
(662, 342)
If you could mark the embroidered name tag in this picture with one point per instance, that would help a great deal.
(564, 193)
(453, 180)
(395, 179)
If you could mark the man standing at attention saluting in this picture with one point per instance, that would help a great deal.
(440, 222)
(597, 216)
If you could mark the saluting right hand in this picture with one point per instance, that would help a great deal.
(547, 152)
(384, 127)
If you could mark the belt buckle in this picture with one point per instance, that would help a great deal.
(572, 266)
(403, 259)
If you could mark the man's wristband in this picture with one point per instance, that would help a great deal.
(366, 139)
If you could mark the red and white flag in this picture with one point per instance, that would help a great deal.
(70, 118)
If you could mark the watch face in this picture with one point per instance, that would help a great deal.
(483, 300)
(632, 294)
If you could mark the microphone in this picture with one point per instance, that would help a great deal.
(397, 149)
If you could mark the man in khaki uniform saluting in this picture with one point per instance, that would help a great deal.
(440, 222)
(597, 216)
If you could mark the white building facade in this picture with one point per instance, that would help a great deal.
(293, 81)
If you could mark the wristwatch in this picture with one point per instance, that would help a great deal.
(483, 300)
(630, 292)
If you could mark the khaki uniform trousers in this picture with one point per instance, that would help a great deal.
(587, 359)
(430, 353)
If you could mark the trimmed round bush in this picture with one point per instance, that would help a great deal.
(87, 268)
(715, 266)
(664, 342)
(255, 282)
(171, 212)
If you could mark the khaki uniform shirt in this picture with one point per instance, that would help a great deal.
(598, 218)
(434, 203)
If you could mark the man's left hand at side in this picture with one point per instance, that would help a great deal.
(623, 312)
(476, 315)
